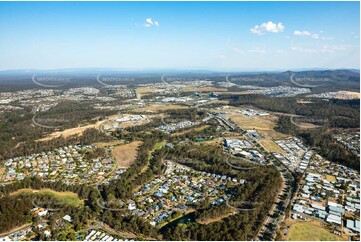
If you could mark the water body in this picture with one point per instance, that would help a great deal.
(189, 218)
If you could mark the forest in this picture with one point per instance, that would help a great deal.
(338, 113)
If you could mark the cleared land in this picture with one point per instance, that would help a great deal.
(205, 89)
(125, 155)
(153, 108)
(190, 130)
(263, 124)
(216, 102)
(273, 134)
(66, 133)
(303, 125)
(141, 91)
(311, 231)
(216, 219)
(234, 93)
(74, 131)
(253, 122)
(308, 125)
(110, 143)
(350, 95)
(330, 178)
(271, 146)
(69, 198)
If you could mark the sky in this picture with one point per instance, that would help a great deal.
(238, 36)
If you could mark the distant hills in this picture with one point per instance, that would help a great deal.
(87, 71)
(327, 80)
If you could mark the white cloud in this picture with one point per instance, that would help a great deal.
(301, 49)
(267, 27)
(322, 49)
(301, 33)
(255, 50)
(306, 33)
(315, 36)
(150, 22)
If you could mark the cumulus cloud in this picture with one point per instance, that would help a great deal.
(150, 22)
(267, 27)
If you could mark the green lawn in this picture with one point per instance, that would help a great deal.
(69, 198)
(310, 231)
(159, 145)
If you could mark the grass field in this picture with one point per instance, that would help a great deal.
(271, 146)
(110, 143)
(263, 124)
(310, 231)
(330, 178)
(69, 198)
(141, 91)
(125, 155)
(159, 145)
(273, 134)
(253, 122)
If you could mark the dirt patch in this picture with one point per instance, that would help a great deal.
(191, 130)
(219, 218)
(74, 131)
(234, 93)
(125, 155)
(331, 178)
(348, 95)
(66, 133)
(154, 108)
(263, 124)
(209, 89)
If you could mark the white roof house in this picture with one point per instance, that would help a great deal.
(43, 213)
(333, 219)
(68, 218)
(354, 225)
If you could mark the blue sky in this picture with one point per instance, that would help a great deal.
(180, 35)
